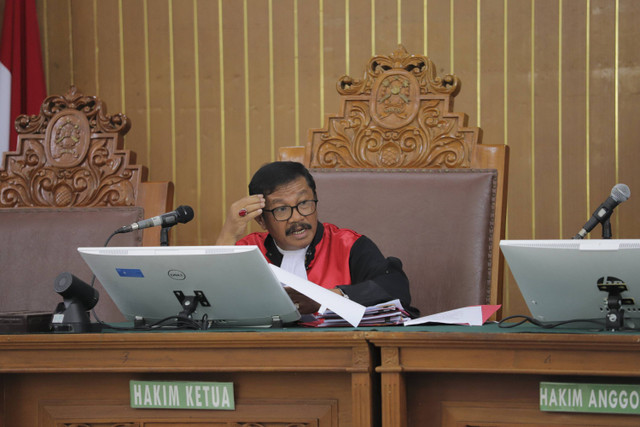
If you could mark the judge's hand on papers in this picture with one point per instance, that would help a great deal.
(305, 304)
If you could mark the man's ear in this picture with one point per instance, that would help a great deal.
(261, 223)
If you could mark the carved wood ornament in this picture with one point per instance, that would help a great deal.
(70, 155)
(398, 116)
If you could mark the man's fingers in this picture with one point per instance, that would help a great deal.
(248, 207)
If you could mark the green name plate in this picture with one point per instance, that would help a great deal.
(593, 398)
(181, 395)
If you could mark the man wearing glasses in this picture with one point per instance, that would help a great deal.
(283, 202)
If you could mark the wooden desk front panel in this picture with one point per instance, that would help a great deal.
(97, 399)
(306, 379)
(496, 400)
(458, 379)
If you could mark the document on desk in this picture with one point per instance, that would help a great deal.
(349, 310)
(473, 316)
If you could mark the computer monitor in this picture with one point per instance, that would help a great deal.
(564, 280)
(233, 285)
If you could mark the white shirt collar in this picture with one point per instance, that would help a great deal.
(293, 261)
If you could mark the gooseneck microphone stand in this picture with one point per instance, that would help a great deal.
(164, 236)
(606, 229)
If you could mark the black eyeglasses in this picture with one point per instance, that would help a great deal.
(283, 213)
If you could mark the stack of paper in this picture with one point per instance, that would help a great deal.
(384, 314)
(348, 310)
(475, 315)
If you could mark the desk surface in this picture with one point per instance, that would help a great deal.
(492, 349)
(481, 349)
(202, 351)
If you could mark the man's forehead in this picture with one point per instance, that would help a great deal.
(292, 189)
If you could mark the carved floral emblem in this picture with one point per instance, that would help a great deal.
(70, 155)
(68, 137)
(394, 100)
(398, 116)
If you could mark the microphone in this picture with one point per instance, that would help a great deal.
(182, 214)
(619, 194)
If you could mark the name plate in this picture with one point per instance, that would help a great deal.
(181, 395)
(591, 398)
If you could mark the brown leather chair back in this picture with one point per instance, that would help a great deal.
(42, 243)
(69, 183)
(400, 115)
(440, 223)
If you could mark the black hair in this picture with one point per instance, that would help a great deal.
(272, 175)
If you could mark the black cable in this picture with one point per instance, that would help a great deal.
(93, 281)
(544, 325)
(178, 323)
(550, 325)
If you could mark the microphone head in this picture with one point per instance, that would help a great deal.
(185, 214)
(620, 193)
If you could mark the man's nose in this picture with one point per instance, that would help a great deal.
(295, 215)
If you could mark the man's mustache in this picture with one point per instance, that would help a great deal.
(297, 227)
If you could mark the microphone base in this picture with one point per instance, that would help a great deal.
(76, 328)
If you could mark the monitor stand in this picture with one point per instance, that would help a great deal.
(190, 303)
(614, 318)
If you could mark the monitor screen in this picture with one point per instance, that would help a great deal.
(234, 284)
(563, 280)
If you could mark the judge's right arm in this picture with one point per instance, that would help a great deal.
(239, 215)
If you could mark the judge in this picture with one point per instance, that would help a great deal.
(283, 201)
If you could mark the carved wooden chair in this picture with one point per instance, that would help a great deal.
(69, 184)
(397, 165)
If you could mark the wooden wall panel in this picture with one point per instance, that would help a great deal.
(465, 57)
(210, 206)
(185, 151)
(602, 121)
(385, 26)
(259, 69)
(334, 52)
(284, 74)
(546, 101)
(360, 37)
(85, 37)
(58, 68)
(491, 88)
(573, 119)
(627, 223)
(109, 51)
(160, 92)
(439, 35)
(309, 60)
(136, 78)
(518, 61)
(235, 145)
(412, 26)
(213, 88)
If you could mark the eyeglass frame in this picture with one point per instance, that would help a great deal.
(315, 208)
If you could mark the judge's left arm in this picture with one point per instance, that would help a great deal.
(374, 278)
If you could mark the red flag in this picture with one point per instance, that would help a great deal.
(22, 83)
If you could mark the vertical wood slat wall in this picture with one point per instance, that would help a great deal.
(214, 87)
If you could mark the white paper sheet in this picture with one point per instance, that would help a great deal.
(466, 315)
(349, 310)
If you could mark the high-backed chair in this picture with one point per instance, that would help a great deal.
(69, 184)
(397, 165)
